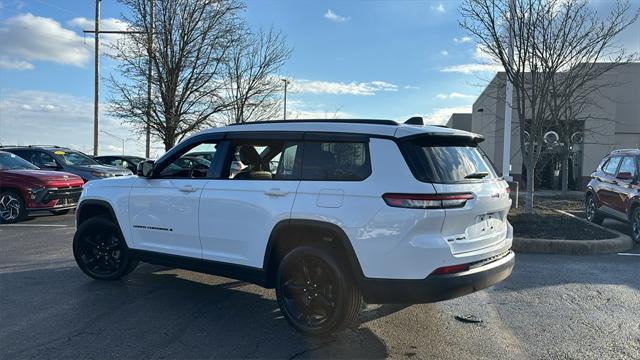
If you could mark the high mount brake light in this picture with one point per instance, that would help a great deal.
(427, 201)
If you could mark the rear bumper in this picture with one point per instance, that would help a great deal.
(437, 287)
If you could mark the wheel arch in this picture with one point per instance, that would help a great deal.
(90, 208)
(315, 231)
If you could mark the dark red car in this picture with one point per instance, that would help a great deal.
(24, 188)
(614, 190)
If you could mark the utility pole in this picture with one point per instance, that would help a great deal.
(286, 82)
(150, 66)
(508, 103)
(96, 100)
(96, 94)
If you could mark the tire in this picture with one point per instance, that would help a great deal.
(61, 212)
(316, 293)
(100, 250)
(635, 224)
(591, 210)
(12, 208)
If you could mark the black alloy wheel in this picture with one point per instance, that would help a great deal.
(100, 251)
(315, 293)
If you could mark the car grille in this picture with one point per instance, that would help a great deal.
(65, 196)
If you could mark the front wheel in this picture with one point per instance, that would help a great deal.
(591, 211)
(635, 224)
(315, 291)
(12, 208)
(100, 251)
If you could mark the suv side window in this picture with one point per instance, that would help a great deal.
(39, 159)
(265, 160)
(188, 166)
(628, 165)
(336, 161)
(611, 165)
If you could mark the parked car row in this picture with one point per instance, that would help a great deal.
(50, 178)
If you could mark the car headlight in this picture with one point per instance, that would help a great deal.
(101, 174)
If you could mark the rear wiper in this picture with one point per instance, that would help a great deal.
(477, 175)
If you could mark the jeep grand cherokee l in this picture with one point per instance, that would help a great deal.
(24, 188)
(329, 213)
(614, 190)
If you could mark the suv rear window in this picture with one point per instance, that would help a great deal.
(442, 160)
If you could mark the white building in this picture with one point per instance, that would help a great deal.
(613, 122)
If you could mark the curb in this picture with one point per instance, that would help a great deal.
(620, 243)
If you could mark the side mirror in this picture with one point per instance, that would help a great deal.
(145, 168)
(50, 165)
(625, 176)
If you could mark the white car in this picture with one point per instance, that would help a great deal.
(329, 213)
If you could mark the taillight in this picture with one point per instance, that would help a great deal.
(427, 201)
(450, 269)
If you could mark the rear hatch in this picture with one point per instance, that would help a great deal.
(456, 166)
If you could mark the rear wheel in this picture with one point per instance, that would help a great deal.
(12, 208)
(591, 211)
(100, 251)
(635, 224)
(316, 292)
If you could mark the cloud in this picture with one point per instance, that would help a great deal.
(472, 68)
(440, 116)
(462, 40)
(9, 64)
(342, 88)
(110, 24)
(411, 87)
(335, 17)
(439, 8)
(68, 121)
(454, 95)
(482, 56)
(444, 53)
(26, 38)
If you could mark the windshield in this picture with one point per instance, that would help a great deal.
(75, 158)
(134, 160)
(447, 161)
(10, 161)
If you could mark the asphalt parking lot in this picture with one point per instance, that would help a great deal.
(581, 307)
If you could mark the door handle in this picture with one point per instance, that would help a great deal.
(187, 188)
(276, 192)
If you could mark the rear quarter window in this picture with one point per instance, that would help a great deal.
(442, 160)
(336, 161)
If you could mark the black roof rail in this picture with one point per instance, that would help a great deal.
(338, 121)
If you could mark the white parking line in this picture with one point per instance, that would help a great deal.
(628, 254)
(33, 225)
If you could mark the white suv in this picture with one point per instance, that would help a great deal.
(329, 213)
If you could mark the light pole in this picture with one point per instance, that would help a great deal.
(286, 82)
(508, 103)
(117, 137)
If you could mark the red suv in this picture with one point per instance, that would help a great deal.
(614, 190)
(25, 188)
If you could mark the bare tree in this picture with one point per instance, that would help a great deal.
(252, 90)
(549, 37)
(191, 40)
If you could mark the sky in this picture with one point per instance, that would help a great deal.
(351, 59)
